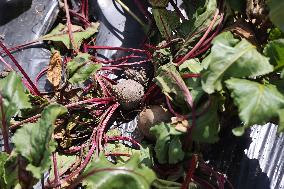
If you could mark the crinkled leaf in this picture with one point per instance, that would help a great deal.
(14, 96)
(60, 34)
(207, 126)
(80, 68)
(105, 175)
(276, 13)
(34, 141)
(275, 51)
(176, 153)
(164, 133)
(166, 80)
(257, 103)
(54, 72)
(230, 58)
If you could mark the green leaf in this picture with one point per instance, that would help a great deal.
(14, 96)
(176, 153)
(34, 141)
(3, 158)
(276, 13)
(239, 131)
(201, 13)
(207, 126)
(229, 58)
(81, 68)
(239, 5)
(9, 171)
(281, 121)
(167, 21)
(164, 133)
(257, 103)
(105, 175)
(275, 51)
(60, 34)
(191, 66)
(166, 79)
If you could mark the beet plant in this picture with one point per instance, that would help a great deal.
(211, 63)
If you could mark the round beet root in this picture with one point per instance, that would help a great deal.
(151, 116)
(129, 94)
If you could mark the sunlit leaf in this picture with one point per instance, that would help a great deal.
(232, 58)
(257, 103)
(81, 68)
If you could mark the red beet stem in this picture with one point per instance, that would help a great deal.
(39, 75)
(55, 169)
(122, 49)
(8, 66)
(190, 172)
(103, 86)
(20, 69)
(190, 75)
(201, 40)
(177, 10)
(118, 154)
(170, 107)
(69, 26)
(103, 127)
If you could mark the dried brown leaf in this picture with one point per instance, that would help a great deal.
(54, 72)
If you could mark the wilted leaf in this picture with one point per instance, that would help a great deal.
(231, 58)
(60, 34)
(276, 13)
(14, 96)
(54, 72)
(81, 68)
(34, 140)
(130, 175)
(207, 126)
(257, 103)
(164, 133)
